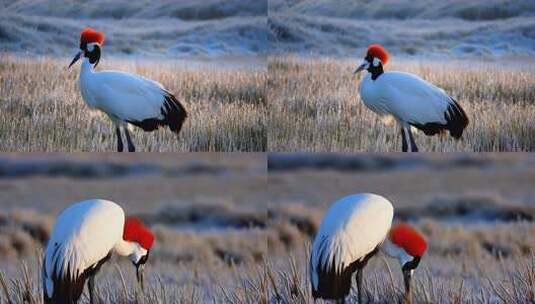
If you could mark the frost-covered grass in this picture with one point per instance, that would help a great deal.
(438, 279)
(41, 108)
(314, 105)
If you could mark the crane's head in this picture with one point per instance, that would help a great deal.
(376, 57)
(408, 245)
(90, 43)
(142, 239)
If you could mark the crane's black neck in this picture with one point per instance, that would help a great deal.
(377, 70)
(93, 55)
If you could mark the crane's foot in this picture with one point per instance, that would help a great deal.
(414, 148)
(131, 147)
(404, 146)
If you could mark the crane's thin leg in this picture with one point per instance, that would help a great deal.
(414, 148)
(119, 139)
(91, 286)
(131, 147)
(359, 286)
(404, 147)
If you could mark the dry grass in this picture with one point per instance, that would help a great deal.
(42, 109)
(314, 105)
(165, 283)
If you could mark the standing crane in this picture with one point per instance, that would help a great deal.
(408, 98)
(127, 99)
(83, 238)
(352, 231)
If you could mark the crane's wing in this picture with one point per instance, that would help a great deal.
(129, 97)
(413, 99)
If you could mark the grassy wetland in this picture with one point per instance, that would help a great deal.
(476, 212)
(315, 106)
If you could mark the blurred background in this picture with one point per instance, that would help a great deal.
(207, 212)
(165, 28)
(426, 28)
(477, 212)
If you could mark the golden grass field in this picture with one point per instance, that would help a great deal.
(41, 108)
(314, 105)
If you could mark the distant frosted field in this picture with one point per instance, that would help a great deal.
(449, 28)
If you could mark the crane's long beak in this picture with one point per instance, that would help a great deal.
(139, 274)
(360, 68)
(407, 277)
(76, 58)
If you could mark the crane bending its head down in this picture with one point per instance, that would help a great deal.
(83, 239)
(353, 230)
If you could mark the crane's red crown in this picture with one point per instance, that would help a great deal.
(409, 239)
(377, 50)
(135, 231)
(89, 35)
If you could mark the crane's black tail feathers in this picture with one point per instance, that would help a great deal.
(174, 115)
(456, 122)
(333, 284)
(67, 289)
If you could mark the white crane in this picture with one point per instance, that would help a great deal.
(83, 238)
(352, 231)
(408, 98)
(125, 98)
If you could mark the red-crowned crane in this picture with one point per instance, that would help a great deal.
(352, 231)
(408, 98)
(83, 238)
(125, 98)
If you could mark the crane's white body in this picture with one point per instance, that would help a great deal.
(407, 97)
(83, 235)
(351, 228)
(122, 96)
